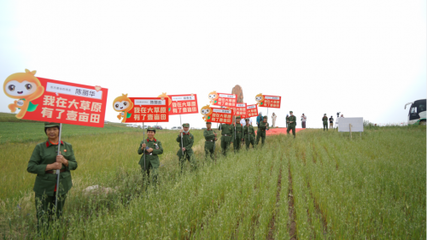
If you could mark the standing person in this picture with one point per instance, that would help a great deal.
(150, 148)
(263, 126)
(273, 117)
(43, 162)
(249, 134)
(287, 120)
(292, 122)
(259, 119)
(331, 122)
(303, 120)
(210, 138)
(325, 122)
(227, 134)
(185, 152)
(239, 134)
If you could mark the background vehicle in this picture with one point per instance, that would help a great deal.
(176, 128)
(417, 112)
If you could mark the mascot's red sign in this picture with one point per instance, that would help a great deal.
(218, 115)
(181, 104)
(42, 99)
(252, 111)
(141, 109)
(269, 101)
(223, 99)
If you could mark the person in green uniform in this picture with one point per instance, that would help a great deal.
(210, 138)
(44, 162)
(185, 152)
(325, 122)
(248, 134)
(227, 135)
(239, 134)
(263, 126)
(150, 148)
(292, 122)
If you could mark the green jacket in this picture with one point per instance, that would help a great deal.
(156, 145)
(187, 142)
(209, 135)
(248, 132)
(239, 131)
(294, 121)
(262, 126)
(325, 120)
(226, 129)
(43, 154)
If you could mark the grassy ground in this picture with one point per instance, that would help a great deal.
(321, 185)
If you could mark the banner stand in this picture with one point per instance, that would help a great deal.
(143, 139)
(182, 144)
(58, 171)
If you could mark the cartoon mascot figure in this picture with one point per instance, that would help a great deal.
(24, 87)
(213, 96)
(207, 112)
(164, 95)
(260, 99)
(123, 105)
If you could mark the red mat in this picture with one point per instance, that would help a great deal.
(275, 131)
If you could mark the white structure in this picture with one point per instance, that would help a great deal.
(350, 124)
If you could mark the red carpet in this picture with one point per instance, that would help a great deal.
(275, 131)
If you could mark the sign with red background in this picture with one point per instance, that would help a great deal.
(218, 115)
(271, 101)
(251, 110)
(148, 110)
(241, 110)
(48, 100)
(225, 99)
(183, 104)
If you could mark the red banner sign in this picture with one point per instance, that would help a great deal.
(252, 111)
(134, 109)
(48, 100)
(218, 115)
(183, 104)
(241, 110)
(223, 99)
(268, 101)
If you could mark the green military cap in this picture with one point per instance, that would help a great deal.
(291, 112)
(325, 113)
(151, 129)
(51, 124)
(208, 123)
(238, 117)
(186, 125)
(264, 117)
(247, 119)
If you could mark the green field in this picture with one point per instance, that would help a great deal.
(322, 185)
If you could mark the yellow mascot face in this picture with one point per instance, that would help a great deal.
(122, 103)
(213, 96)
(259, 98)
(164, 95)
(207, 112)
(23, 85)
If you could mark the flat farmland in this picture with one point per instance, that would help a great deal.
(322, 185)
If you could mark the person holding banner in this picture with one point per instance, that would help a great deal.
(292, 122)
(185, 152)
(210, 137)
(227, 132)
(249, 134)
(150, 148)
(239, 134)
(43, 162)
(263, 126)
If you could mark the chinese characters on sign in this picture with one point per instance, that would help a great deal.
(225, 99)
(221, 115)
(241, 110)
(251, 111)
(271, 101)
(183, 104)
(65, 102)
(148, 110)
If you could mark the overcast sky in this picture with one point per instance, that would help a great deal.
(362, 58)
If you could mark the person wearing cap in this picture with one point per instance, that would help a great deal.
(210, 138)
(249, 134)
(44, 162)
(325, 122)
(263, 126)
(239, 134)
(227, 135)
(331, 122)
(303, 120)
(185, 152)
(150, 148)
(292, 122)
